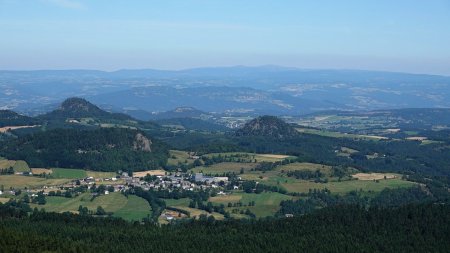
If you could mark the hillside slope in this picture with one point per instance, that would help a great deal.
(104, 149)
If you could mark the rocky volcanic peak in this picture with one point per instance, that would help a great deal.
(269, 126)
(79, 104)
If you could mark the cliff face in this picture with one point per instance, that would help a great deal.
(142, 143)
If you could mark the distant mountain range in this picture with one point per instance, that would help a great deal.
(227, 90)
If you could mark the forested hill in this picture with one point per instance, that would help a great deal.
(81, 108)
(268, 126)
(10, 118)
(423, 228)
(104, 149)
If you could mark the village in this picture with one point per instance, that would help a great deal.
(147, 180)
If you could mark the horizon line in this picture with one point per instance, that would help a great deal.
(225, 67)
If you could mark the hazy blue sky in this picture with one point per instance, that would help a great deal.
(396, 35)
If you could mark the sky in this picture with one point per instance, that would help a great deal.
(401, 35)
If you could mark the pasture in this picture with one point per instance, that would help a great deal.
(135, 209)
(68, 173)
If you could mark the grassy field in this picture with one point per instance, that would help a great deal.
(68, 173)
(266, 203)
(135, 209)
(100, 174)
(20, 182)
(21, 166)
(111, 203)
(346, 186)
(220, 168)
